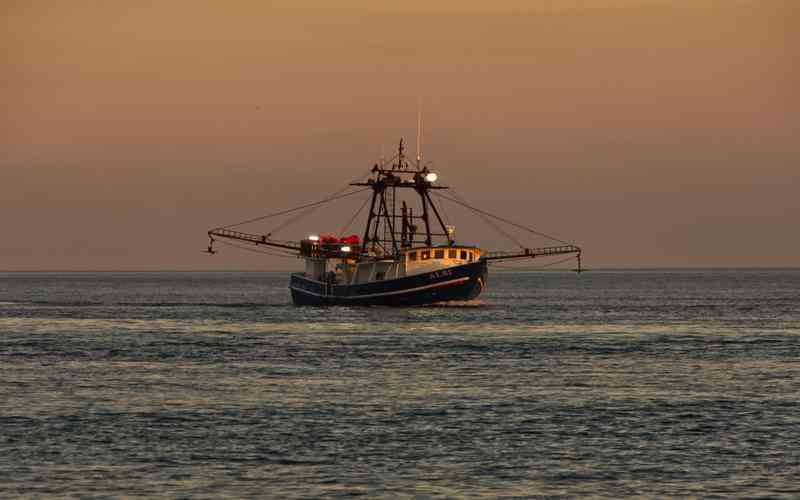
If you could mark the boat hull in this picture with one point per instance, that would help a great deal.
(464, 282)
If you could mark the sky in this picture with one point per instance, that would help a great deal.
(652, 133)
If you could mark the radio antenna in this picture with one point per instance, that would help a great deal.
(419, 132)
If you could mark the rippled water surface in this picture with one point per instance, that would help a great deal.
(609, 384)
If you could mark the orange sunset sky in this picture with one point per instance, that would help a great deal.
(650, 132)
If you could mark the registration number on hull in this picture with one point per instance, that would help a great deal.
(441, 274)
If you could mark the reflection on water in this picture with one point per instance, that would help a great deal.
(607, 384)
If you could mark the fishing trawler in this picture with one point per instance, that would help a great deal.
(403, 257)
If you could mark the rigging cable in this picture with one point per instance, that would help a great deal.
(501, 219)
(488, 222)
(491, 224)
(310, 210)
(353, 218)
(447, 218)
(284, 212)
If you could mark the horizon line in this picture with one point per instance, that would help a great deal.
(499, 269)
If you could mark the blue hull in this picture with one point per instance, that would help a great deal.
(463, 282)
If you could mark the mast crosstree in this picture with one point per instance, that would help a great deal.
(387, 231)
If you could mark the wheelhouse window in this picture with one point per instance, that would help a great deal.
(452, 253)
(470, 257)
(412, 255)
(463, 255)
(438, 254)
(425, 255)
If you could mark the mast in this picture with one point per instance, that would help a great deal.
(439, 218)
(370, 216)
(390, 221)
(424, 197)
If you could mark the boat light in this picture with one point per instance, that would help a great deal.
(313, 237)
(345, 248)
(431, 177)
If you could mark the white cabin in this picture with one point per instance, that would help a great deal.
(346, 270)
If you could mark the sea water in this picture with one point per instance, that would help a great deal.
(213, 385)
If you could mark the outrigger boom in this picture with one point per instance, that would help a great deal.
(533, 253)
(255, 239)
